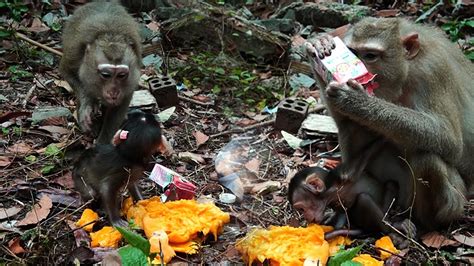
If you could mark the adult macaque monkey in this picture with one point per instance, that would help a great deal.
(103, 171)
(423, 110)
(101, 62)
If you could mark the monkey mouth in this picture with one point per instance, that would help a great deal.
(113, 101)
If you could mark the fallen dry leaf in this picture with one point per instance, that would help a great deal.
(201, 138)
(4, 161)
(297, 40)
(15, 247)
(55, 130)
(265, 187)
(9, 212)
(65, 180)
(253, 165)
(387, 13)
(245, 122)
(153, 26)
(463, 239)
(39, 212)
(37, 26)
(193, 156)
(63, 84)
(437, 240)
(20, 148)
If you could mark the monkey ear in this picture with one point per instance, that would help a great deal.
(119, 137)
(411, 44)
(315, 183)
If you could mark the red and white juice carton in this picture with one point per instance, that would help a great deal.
(343, 65)
(175, 186)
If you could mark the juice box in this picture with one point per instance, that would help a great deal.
(343, 65)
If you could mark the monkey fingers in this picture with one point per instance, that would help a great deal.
(337, 90)
(355, 85)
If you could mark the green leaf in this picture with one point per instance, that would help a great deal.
(166, 114)
(52, 150)
(5, 33)
(219, 70)
(47, 169)
(470, 23)
(293, 142)
(132, 256)
(470, 55)
(30, 158)
(351, 263)
(216, 89)
(135, 240)
(344, 255)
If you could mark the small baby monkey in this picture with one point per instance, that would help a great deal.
(103, 171)
(365, 200)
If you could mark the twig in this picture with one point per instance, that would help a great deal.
(40, 45)
(244, 129)
(392, 253)
(28, 95)
(184, 98)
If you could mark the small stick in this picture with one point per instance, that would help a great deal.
(184, 98)
(40, 45)
(28, 95)
(244, 129)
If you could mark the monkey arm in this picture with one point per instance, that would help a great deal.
(114, 115)
(413, 129)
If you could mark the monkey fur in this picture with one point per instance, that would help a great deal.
(423, 109)
(101, 62)
(360, 203)
(102, 172)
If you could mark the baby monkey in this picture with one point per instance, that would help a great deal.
(365, 200)
(103, 171)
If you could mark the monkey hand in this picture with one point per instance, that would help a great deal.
(320, 46)
(342, 91)
(408, 228)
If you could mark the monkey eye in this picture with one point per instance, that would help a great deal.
(105, 74)
(369, 56)
(122, 75)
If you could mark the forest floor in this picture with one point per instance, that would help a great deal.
(40, 141)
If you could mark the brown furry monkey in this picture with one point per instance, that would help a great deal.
(103, 171)
(101, 62)
(423, 109)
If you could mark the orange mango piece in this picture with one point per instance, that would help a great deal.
(87, 216)
(106, 237)
(386, 243)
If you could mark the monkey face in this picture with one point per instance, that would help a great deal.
(112, 69)
(311, 206)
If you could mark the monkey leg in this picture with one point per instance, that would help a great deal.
(440, 191)
(113, 117)
(87, 192)
(110, 196)
(367, 214)
(134, 191)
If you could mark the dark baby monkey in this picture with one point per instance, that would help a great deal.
(422, 109)
(103, 171)
(365, 200)
(101, 62)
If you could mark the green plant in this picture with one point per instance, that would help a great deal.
(55, 156)
(454, 28)
(18, 73)
(16, 7)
